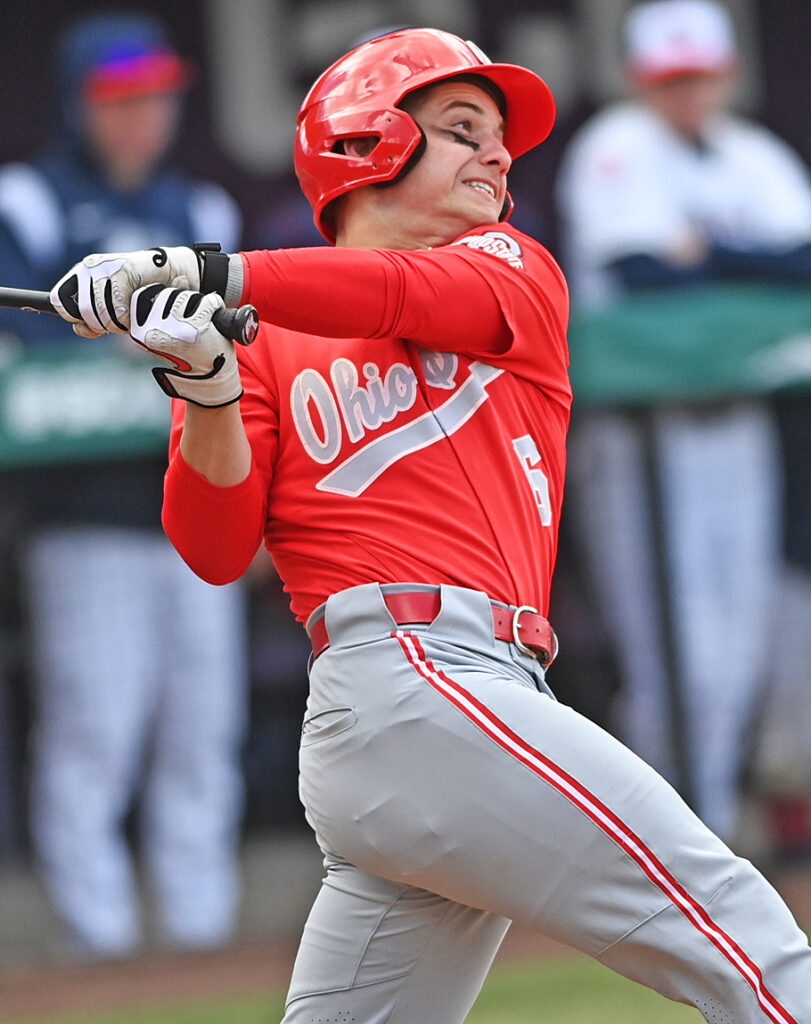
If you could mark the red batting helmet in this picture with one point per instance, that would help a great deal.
(358, 96)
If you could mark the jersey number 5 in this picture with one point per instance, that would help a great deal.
(527, 454)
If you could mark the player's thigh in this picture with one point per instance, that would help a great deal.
(377, 951)
(465, 780)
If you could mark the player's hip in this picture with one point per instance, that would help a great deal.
(456, 616)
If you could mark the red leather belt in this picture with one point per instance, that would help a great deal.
(522, 626)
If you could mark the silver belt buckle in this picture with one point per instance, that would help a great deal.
(517, 625)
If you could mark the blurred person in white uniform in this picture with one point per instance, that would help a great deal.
(670, 189)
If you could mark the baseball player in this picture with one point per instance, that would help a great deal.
(669, 189)
(396, 435)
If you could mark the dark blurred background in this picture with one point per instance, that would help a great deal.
(256, 58)
(254, 61)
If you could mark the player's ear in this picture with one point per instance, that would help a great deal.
(360, 147)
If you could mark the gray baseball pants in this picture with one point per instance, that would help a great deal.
(451, 794)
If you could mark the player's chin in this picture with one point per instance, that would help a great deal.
(481, 207)
(471, 213)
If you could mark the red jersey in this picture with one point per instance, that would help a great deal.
(407, 413)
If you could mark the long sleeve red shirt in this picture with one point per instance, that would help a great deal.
(407, 414)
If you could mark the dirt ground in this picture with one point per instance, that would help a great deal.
(170, 978)
(256, 967)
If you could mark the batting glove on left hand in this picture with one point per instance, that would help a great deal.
(176, 326)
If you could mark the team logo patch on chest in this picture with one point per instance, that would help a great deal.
(497, 243)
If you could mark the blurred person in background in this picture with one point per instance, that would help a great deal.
(140, 666)
(782, 758)
(671, 190)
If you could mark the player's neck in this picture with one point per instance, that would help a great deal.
(375, 239)
(368, 222)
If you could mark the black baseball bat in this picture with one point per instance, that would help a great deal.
(239, 325)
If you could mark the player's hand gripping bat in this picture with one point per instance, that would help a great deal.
(239, 325)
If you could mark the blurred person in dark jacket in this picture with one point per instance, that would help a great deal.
(140, 666)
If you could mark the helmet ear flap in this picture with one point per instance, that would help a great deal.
(409, 165)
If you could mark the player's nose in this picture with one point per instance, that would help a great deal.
(493, 151)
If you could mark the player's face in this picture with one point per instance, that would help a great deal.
(689, 102)
(129, 136)
(460, 182)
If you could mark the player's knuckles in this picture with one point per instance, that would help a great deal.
(172, 322)
(106, 310)
(88, 305)
(100, 300)
(209, 305)
(120, 299)
(181, 304)
(103, 264)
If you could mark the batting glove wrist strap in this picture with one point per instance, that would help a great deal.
(214, 265)
(220, 272)
(176, 326)
(95, 294)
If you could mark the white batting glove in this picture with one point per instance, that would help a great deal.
(95, 294)
(176, 326)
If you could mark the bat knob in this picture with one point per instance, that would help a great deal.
(240, 325)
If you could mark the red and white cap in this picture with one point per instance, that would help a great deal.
(672, 38)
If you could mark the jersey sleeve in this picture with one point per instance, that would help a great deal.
(493, 294)
(218, 530)
(531, 292)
